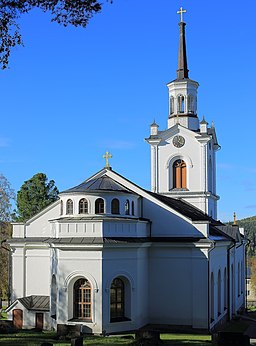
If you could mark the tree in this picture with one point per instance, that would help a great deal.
(35, 194)
(65, 12)
(6, 197)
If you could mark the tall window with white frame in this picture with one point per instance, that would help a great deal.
(83, 206)
(69, 207)
(82, 300)
(99, 206)
(212, 298)
(179, 171)
(117, 302)
(115, 206)
(219, 292)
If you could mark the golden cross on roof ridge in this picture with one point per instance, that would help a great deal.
(107, 156)
(181, 11)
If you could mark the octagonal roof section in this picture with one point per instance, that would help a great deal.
(102, 184)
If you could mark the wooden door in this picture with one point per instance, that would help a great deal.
(39, 321)
(17, 317)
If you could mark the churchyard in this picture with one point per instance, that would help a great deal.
(32, 338)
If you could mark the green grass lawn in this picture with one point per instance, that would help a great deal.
(31, 338)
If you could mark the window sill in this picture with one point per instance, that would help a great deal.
(120, 319)
(80, 320)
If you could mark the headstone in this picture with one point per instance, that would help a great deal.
(77, 341)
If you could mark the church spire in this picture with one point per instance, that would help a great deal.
(182, 71)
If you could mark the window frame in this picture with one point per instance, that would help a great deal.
(69, 207)
(99, 206)
(83, 206)
(81, 306)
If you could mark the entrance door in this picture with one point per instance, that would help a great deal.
(17, 317)
(39, 321)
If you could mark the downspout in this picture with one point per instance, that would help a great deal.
(9, 270)
(213, 244)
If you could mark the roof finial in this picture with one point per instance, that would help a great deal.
(107, 156)
(235, 222)
(181, 11)
(182, 71)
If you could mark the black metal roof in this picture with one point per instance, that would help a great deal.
(103, 183)
(109, 240)
(41, 303)
(184, 208)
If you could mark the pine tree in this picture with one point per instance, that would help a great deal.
(35, 195)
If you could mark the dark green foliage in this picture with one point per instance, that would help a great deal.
(6, 197)
(5, 233)
(249, 224)
(34, 195)
(75, 12)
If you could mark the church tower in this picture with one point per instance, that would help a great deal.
(183, 157)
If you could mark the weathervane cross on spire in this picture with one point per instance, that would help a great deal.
(107, 156)
(181, 11)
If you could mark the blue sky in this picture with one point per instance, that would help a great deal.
(71, 94)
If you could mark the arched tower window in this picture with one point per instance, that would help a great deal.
(179, 175)
(69, 206)
(171, 105)
(181, 104)
(99, 206)
(83, 206)
(127, 207)
(115, 206)
(190, 104)
(117, 294)
(82, 300)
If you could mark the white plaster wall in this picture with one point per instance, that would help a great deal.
(167, 224)
(72, 265)
(178, 286)
(17, 273)
(37, 271)
(29, 317)
(39, 225)
(130, 263)
(107, 197)
(218, 261)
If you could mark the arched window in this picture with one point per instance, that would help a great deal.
(225, 288)
(181, 104)
(115, 206)
(83, 206)
(190, 104)
(69, 206)
(171, 105)
(127, 207)
(212, 298)
(219, 292)
(132, 207)
(117, 311)
(238, 280)
(179, 175)
(82, 300)
(61, 207)
(53, 297)
(99, 206)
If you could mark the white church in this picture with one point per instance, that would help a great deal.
(110, 256)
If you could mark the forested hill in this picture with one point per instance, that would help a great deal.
(249, 225)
